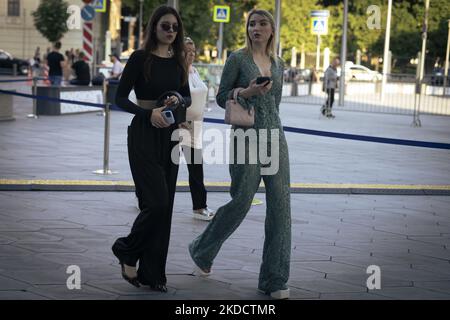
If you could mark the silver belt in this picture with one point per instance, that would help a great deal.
(147, 104)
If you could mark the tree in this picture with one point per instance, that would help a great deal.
(198, 23)
(197, 16)
(406, 26)
(147, 8)
(50, 19)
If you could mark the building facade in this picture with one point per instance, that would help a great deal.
(19, 36)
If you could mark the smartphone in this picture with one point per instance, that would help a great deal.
(168, 116)
(261, 80)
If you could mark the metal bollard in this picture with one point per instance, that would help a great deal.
(105, 97)
(294, 88)
(106, 170)
(15, 69)
(34, 92)
(417, 101)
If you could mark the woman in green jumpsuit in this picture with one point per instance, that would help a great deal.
(240, 71)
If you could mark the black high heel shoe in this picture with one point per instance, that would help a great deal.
(132, 280)
(159, 287)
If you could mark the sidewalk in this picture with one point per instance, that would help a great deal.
(335, 239)
(71, 147)
(335, 236)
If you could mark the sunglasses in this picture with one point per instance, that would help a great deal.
(167, 26)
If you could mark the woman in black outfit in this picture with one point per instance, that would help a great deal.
(152, 71)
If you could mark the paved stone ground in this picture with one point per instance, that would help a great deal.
(71, 147)
(335, 237)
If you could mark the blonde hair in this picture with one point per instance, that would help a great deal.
(270, 48)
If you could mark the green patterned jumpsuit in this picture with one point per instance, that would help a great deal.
(238, 71)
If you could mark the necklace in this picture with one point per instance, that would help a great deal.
(169, 53)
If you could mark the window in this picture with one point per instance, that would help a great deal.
(14, 8)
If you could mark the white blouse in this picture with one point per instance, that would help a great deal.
(194, 115)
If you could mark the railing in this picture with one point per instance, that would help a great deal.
(400, 94)
(398, 98)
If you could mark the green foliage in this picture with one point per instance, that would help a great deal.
(234, 32)
(197, 17)
(50, 19)
(199, 25)
(296, 33)
(406, 25)
(147, 8)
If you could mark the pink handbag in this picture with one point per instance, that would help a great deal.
(235, 114)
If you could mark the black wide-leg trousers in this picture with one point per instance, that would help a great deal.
(155, 175)
(194, 159)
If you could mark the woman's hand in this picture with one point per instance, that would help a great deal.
(157, 118)
(184, 125)
(171, 100)
(254, 89)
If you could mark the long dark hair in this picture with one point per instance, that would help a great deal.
(151, 41)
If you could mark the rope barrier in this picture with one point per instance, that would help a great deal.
(414, 143)
(346, 136)
(25, 95)
(15, 80)
(21, 80)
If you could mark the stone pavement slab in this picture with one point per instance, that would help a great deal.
(439, 286)
(327, 261)
(335, 237)
(71, 147)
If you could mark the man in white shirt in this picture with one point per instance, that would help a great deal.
(117, 68)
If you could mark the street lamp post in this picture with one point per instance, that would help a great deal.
(386, 50)
(343, 56)
(220, 42)
(277, 25)
(141, 2)
(173, 3)
(318, 52)
(446, 58)
(416, 117)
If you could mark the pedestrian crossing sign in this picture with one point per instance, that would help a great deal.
(319, 25)
(221, 14)
(319, 21)
(99, 5)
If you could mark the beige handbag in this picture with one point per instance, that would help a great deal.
(235, 114)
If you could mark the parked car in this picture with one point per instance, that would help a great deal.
(361, 73)
(299, 75)
(7, 61)
(304, 75)
(437, 77)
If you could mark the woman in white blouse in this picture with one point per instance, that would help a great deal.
(191, 141)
